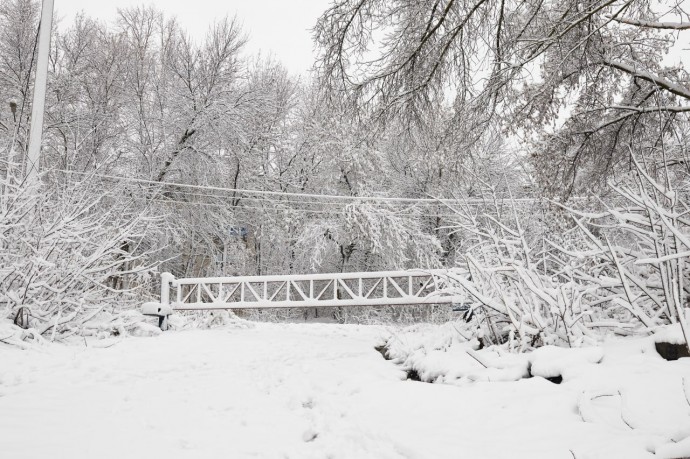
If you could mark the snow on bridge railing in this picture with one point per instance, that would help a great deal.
(383, 288)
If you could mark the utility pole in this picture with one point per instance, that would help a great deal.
(40, 83)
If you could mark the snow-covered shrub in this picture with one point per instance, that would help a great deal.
(69, 252)
(401, 315)
(644, 249)
(621, 269)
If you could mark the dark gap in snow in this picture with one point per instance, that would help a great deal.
(383, 350)
(413, 375)
(554, 379)
(529, 371)
(671, 351)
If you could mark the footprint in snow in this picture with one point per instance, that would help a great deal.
(309, 435)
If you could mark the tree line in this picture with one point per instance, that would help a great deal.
(431, 133)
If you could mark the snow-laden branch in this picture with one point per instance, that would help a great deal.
(653, 24)
(657, 80)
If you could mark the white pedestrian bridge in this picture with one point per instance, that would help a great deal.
(383, 288)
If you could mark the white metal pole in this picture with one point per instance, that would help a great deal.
(166, 280)
(40, 84)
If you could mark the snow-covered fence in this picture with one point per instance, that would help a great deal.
(384, 288)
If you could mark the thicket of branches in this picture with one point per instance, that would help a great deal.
(553, 274)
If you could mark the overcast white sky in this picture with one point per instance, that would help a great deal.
(280, 27)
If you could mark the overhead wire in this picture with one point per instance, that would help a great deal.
(396, 207)
(277, 206)
(425, 205)
(382, 199)
(293, 202)
(276, 209)
(280, 201)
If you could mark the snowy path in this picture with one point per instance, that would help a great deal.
(276, 391)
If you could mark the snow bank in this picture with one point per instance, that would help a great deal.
(11, 335)
(552, 361)
(103, 325)
(671, 334)
(622, 385)
(447, 354)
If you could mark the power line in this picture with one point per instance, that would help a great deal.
(296, 195)
(319, 203)
(300, 202)
(409, 212)
(277, 209)
(282, 201)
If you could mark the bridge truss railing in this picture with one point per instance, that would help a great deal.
(383, 288)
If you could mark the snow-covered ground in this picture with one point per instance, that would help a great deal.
(323, 391)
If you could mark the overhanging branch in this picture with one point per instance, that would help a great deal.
(663, 83)
(653, 24)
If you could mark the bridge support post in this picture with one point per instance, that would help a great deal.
(161, 309)
(166, 310)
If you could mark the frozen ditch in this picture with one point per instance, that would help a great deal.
(467, 361)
